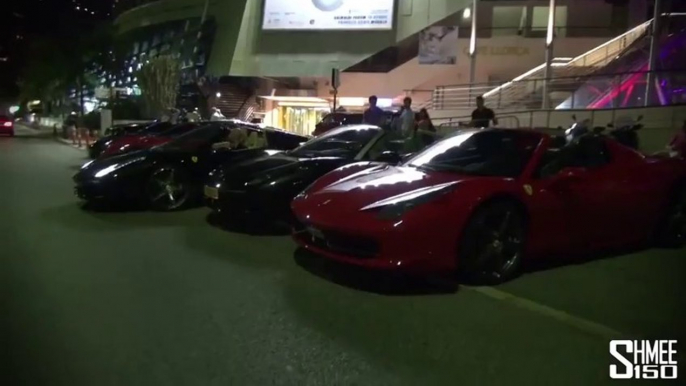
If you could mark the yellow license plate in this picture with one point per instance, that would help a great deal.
(211, 192)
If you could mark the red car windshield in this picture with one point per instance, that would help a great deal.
(202, 135)
(343, 142)
(502, 153)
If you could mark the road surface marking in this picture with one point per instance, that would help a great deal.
(576, 322)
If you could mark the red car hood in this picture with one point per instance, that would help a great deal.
(137, 142)
(371, 187)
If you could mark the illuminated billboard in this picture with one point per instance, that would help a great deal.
(328, 15)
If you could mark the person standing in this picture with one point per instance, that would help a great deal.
(373, 115)
(406, 121)
(426, 131)
(217, 115)
(193, 116)
(482, 116)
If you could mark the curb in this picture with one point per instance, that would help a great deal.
(69, 143)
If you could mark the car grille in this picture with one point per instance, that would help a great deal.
(339, 243)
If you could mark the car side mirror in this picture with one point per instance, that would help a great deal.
(389, 157)
(574, 117)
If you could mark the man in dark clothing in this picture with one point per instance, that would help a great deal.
(374, 115)
(482, 116)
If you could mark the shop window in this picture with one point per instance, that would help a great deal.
(509, 20)
(539, 21)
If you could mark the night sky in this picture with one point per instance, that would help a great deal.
(32, 19)
(28, 20)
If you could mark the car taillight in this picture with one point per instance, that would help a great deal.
(7, 124)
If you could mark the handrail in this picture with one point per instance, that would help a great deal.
(524, 90)
(568, 91)
(511, 92)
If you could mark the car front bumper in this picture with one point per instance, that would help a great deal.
(110, 190)
(248, 203)
(404, 246)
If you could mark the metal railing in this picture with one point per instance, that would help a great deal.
(600, 91)
(524, 90)
(660, 122)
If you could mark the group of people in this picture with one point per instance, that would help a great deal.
(182, 116)
(417, 128)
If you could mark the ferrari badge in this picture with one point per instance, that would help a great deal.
(529, 190)
(194, 159)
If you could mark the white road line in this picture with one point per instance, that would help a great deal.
(576, 322)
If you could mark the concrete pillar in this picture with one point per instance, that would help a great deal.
(654, 53)
(472, 51)
(549, 53)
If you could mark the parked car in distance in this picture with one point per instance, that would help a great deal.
(338, 119)
(6, 126)
(483, 201)
(97, 147)
(147, 138)
(128, 128)
(263, 187)
(172, 175)
(333, 120)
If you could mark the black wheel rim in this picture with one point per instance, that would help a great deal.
(499, 243)
(166, 190)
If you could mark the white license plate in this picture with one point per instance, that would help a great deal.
(316, 232)
(211, 192)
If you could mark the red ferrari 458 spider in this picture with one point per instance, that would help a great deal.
(483, 201)
(129, 143)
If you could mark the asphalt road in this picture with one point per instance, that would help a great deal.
(140, 298)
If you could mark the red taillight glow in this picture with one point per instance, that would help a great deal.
(7, 124)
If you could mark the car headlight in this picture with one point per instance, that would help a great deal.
(395, 207)
(112, 168)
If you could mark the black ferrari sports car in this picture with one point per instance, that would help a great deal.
(97, 147)
(266, 185)
(172, 175)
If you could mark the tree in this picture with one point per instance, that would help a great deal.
(158, 80)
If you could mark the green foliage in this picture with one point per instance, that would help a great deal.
(158, 80)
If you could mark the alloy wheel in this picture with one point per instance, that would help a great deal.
(501, 242)
(491, 248)
(166, 189)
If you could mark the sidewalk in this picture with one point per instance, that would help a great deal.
(48, 133)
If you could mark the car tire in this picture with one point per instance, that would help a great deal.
(672, 229)
(492, 244)
(168, 188)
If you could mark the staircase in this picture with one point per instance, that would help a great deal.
(526, 90)
(233, 99)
